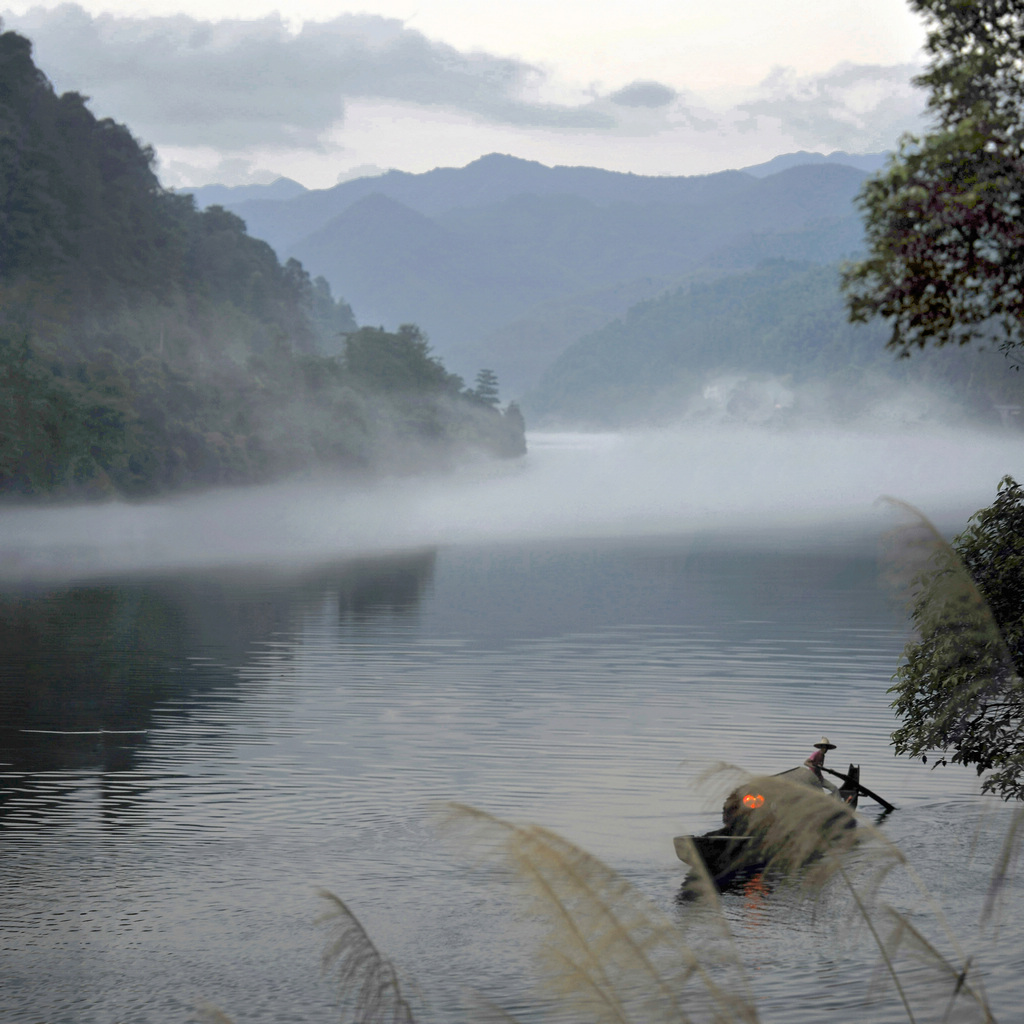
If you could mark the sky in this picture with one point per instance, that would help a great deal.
(241, 93)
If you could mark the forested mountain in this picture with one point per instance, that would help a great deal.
(145, 345)
(766, 345)
(505, 262)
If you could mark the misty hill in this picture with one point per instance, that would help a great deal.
(764, 346)
(525, 258)
(867, 162)
(232, 195)
(148, 346)
(490, 179)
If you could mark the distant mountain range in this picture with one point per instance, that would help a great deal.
(866, 162)
(505, 263)
(432, 188)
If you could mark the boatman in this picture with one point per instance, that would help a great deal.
(816, 762)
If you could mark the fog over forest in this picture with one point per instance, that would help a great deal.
(694, 323)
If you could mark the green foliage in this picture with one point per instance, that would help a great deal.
(80, 202)
(945, 219)
(398, 362)
(959, 688)
(148, 346)
(330, 320)
(56, 432)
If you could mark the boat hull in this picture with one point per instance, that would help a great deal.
(721, 853)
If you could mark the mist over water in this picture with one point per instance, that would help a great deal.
(734, 482)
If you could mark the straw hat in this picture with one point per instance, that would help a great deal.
(824, 744)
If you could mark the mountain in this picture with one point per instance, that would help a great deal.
(486, 181)
(147, 346)
(766, 345)
(490, 179)
(407, 267)
(505, 262)
(867, 162)
(228, 195)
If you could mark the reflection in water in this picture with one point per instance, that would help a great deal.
(90, 673)
(82, 669)
(372, 587)
(756, 891)
(753, 886)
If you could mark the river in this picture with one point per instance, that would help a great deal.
(215, 707)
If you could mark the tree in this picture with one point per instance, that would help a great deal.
(486, 389)
(397, 362)
(959, 689)
(945, 219)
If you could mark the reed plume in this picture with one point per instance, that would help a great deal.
(367, 981)
(957, 688)
(609, 956)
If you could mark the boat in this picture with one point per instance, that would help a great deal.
(775, 819)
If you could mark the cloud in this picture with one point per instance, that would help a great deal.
(644, 94)
(179, 81)
(361, 171)
(856, 107)
(233, 169)
(242, 101)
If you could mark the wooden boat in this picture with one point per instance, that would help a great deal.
(767, 819)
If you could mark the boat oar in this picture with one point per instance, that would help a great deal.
(861, 789)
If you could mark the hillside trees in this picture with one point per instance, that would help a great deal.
(78, 195)
(783, 318)
(945, 220)
(433, 402)
(397, 362)
(146, 345)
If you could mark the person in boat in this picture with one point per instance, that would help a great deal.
(816, 761)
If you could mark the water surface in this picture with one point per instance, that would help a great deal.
(191, 755)
(211, 707)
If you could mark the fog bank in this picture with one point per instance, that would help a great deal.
(736, 483)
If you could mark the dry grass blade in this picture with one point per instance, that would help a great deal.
(366, 979)
(968, 664)
(1004, 864)
(803, 827)
(952, 980)
(609, 955)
